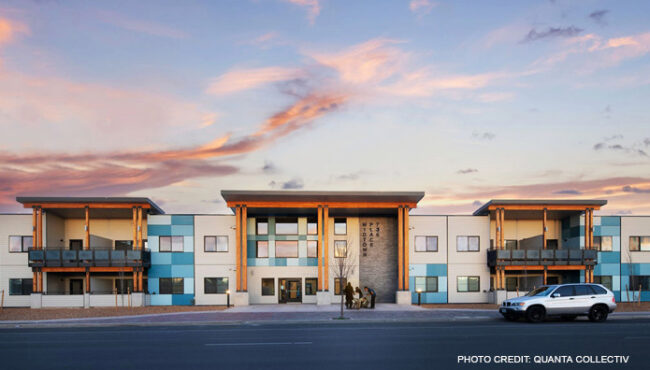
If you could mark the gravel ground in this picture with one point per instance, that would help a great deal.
(70, 313)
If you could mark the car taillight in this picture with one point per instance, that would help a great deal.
(613, 300)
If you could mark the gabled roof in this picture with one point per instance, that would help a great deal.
(92, 202)
(540, 204)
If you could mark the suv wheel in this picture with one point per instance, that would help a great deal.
(598, 313)
(535, 314)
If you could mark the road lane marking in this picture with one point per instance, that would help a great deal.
(259, 344)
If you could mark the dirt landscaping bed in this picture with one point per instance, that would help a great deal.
(621, 307)
(75, 313)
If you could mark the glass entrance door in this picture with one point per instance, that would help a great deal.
(290, 290)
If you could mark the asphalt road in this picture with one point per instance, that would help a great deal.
(324, 346)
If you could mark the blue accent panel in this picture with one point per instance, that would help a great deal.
(609, 230)
(609, 257)
(158, 230)
(182, 230)
(419, 269)
(153, 285)
(182, 258)
(312, 261)
(182, 220)
(161, 299)
(437, 297)
(437, 269)
(161, 258)
(182, 299)
(160, 271)
(182, 271)
(610, 221)
(278, 261)
(617, 295)
(606, 269)
(251, 248)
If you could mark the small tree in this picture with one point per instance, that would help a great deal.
(342, 269)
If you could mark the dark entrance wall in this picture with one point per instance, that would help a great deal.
(378, 256)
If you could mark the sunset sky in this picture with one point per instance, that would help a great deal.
(465, 100)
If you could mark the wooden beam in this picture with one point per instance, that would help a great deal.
(87, 281)
(503, 228)
(326, 269)
(134, 223)
(320, 248)
(34, 236)
(544, 235)
(567, 267)
(406, 247)
(87, 229)
(139, 228)
(400, 249)
(540, 207)
(40, 281)
(545, 276)
(91, 205)
(591, 228)
(40, 228)
(497, 229)
(245, 248)
(289, 204)
(35, 282)
(140, 286)
(238, 266)
(586, 236)
(91, 269)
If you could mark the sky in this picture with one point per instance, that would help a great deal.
(465, 100)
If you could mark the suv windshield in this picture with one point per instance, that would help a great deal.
(542, 291)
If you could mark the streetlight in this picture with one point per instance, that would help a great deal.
(228, 298)
(419, 297)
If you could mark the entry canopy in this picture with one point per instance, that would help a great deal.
(532, 208)
(305, 202)
(100, 207)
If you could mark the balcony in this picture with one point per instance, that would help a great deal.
(94, 257)
(542, 257)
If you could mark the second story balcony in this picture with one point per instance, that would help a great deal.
(94, 257)
(541, 257)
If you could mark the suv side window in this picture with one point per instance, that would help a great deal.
(565, 291)
(598, 290)
(583, 290)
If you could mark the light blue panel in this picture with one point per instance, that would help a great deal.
(436, 269)
(582, 278)
(182, 258)
(153, 243)
(159, 220)
(280, 261)
(293, 262)
(188, 285)
(184, 230)
(161, 258)
(161, 299)
(188, 243)
(609, 230)
(312, 261)
(610, 221)
(607, 269)
(182, 220)
(184, 271)
(609, 257)
(258, 262)
(442, 284)
(616, 283)
(429, 298)
(417, 269)
(616, 243)
(271, 248)
(644, 269)
(164, 230)
(302, 248)
(153, 285)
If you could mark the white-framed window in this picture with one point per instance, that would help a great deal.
(426, 284)
(262, 249)
(466, 243)
(215, 285)
(215, 243)
(286, 226)
(340, 226)
(340, 248)
(312, 248)
(603, 243)
(20, 243)
(286, 248)
(20, 286)
(466, 284)
(640, 243)
(426, 243)
(170, 244)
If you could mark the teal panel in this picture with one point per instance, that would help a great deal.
(251, 249)
(436, 269)
(609, 230)
(312, 261)
(160, 271)
(153, 285)
(161, 258)
(164, 230)
(182, 271)
(182, 299)
(182, 230)
(278, 262)
(609, 257)
(182, 258)
(438, 297)
(302, 237)
(286, 237)
(607, 269)
(182, 220)
(610, 221)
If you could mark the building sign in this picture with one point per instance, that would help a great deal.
(370, 232)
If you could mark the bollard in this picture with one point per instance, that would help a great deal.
(228, 298)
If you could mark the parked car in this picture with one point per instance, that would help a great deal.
(567, 301)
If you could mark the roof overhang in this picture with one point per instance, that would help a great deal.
(556, 207)
(102, 207)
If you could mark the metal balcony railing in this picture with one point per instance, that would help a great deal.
(541, 257)
(94, 257)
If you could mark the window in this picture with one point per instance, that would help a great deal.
(312, 227)
(597, 289)
(640, 243)
(312, 248)
(215, 285)
(311, 285)
(564, 291)
(261, 226)
(511, 245)
(603, 243)
(286, 248)
(268, 286)
(467, 283)
(337, 285)
(171, 286)
(340, 248)
(467, 243)
(643, 281)
(19, 243)
(583, 290)
(123, 245)
(122, 286)
(215, 243)
(552, 244)
(286, 226)
(171, 243)
(262, 247)
(20, 286)
(605, 281)
(426, 283)
(426, 243)
(340, 226)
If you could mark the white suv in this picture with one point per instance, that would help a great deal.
(567, 301)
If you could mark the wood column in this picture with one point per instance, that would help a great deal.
(544, 238)
(39, 287)
(406, 247)
(87, 281)
(503, 229)
(87, 228)
(135, 229)
(34, 236)
(40, 282)
(326, 269)
(320, 248)
(545, 275)
(139, 228)
(497, 228)
(238, 246)
(244, 244)
(400, 249)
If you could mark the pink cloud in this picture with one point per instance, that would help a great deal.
(421, 6)
(313, 8)
(142, 26)
(240, 79)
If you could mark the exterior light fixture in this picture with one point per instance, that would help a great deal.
(228, 298)
(419, 297)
